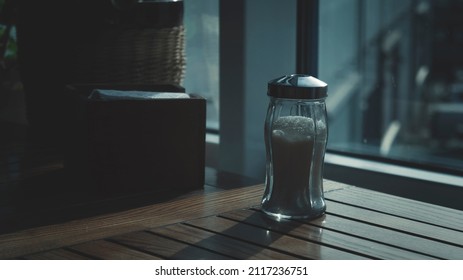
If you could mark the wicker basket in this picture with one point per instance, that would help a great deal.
(139, 56)
(143, 43)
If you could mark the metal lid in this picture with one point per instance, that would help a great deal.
(297, 86)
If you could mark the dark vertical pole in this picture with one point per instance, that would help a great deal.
(232, 88)
(307, 37)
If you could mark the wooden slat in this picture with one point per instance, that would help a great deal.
(102, 226)
(271, 239)
(57, 254)
(396, 223)
(324, 235)
(407, 208)
(165, 247)
(102, 249)
(389, 237)
(331, 186)
(219, 243)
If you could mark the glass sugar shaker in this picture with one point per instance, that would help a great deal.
(296, 134)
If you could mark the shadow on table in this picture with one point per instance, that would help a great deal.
(259, 232)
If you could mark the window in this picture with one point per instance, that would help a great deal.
(395, 104)
(394, 74)
(202, 50)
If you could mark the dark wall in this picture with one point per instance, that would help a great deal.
(54, 37)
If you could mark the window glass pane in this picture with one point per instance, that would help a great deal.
(395, 70)
(202, 51)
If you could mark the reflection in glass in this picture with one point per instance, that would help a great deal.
(395, 68)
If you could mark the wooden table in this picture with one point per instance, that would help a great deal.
(223, 221)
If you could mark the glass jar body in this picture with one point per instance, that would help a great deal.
(295, 138)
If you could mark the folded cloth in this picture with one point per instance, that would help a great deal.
(109, 94)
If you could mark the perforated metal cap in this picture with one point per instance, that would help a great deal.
(297, 86)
